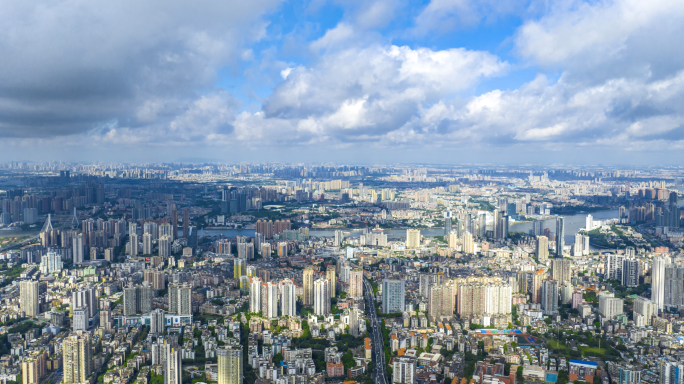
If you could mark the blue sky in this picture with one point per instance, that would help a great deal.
(378, 80)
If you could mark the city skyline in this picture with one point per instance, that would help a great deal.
(282, 273)
(363, 82)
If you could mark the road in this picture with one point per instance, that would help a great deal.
(27, 241)
(379, 376)
(642, 229)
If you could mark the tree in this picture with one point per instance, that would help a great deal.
(519, 373)
(277, 359)
(348, 361)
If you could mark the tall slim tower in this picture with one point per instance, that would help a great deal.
(133, 240)
(238, 268)
(330, 275)
(174, 223)
(147, 244)
(307, 278)
(186, 223)
(271, 299)
(254, 294)
(130, 297)
(77, 358)
(322, 297)
(658, 281)
(356, 283)
(549, 297)
(542, 248)
(537, 279)
(230, 364)
(180, 299)
(173, 367)
(288, 298)
(28, 296)
(78, 248)
(447, 223)
(393, 296)
(560, 235)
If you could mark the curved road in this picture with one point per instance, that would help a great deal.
(379, 376)
(20, 244)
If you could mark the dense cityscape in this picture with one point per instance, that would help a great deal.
(181, 273)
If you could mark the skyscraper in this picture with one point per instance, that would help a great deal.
(288, 298)
(673, 291)
(471, 300)
(542, 248)
(537, 279)
(560, 235)
(613, 267)
(78, 248)
(129, 300)
(147, 244)
(356, 283)
(413, 238)
(330, 275)
(578, 246)
(230, 364)
(549, 297)
(644, 308)
(77, 358)
(308, 283)
(106, 319)
(80, 319)
(85, 297)
(322, 297)
(173, 373)
(609, 305)
(561, 270)
(658, 281)
(441, 302)
(50, 263)
(174, 223)
(157, 322)
(502, 226)
(404, 370)
(393, 296)
(670, 372)
(254, 294)
(447, 223)
(33, 367)
(497, 299)
(180, 299)
(354, 318)
(339, 237)
(28, 296)
(133, 244)
(271, 291)
(238, 268)
(165, 246)
(537, 228)
(523, 284)
(186, 223)
(631, 270)
(467, 243)
(155, 277)
(482, 226)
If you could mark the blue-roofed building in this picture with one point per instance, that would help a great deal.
(582, 370)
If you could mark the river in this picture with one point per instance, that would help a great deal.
(573, 223)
